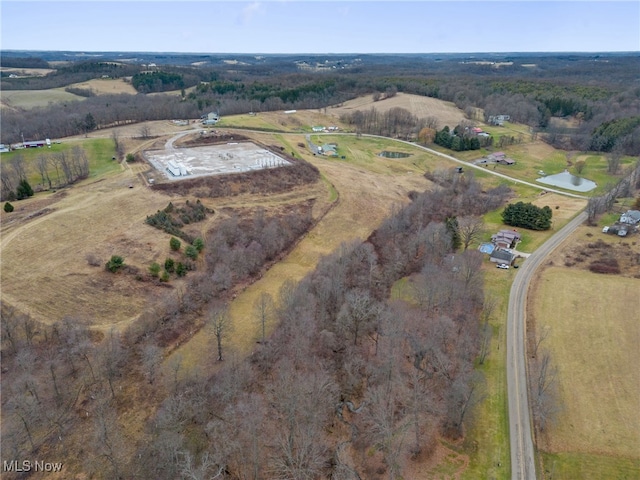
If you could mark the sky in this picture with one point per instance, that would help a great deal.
(317, 26)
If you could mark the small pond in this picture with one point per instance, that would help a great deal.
(569, 181)
(387, 154)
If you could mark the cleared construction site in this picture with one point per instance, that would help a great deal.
(234, 157)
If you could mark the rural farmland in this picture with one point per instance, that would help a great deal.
(268, 267)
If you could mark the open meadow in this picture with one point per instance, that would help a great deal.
(422, 107)
(592, 332)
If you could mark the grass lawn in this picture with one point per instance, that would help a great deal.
(28, 99)
(532, 157)
(487, 437)
(99, 153)
(569, 466)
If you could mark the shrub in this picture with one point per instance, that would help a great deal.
(8, 207)
(115, 263)
(199, 244)
(174, 243)
(605, 265)
(165, 276)
(154, 269)
(191, 252)
(130, 157)
(181, 269)
(24, 190)
(93, 260)
(169, 265)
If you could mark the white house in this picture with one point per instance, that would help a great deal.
(212, 118)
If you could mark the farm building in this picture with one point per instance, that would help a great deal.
(630, 217)
(502, 256)
(506, 239)
(506, 161)
(329, 149)
(211, 119)
(37, 143)
(498, 119)
(317, 129)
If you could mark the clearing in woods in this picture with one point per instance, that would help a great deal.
(104, 217)
(366, 199)
(422, 107)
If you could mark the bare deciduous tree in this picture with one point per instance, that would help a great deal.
(263, 309)
(544, 396)
(222, 325)
(470, 230)
(358, 314)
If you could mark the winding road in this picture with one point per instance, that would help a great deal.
(520, 433)
(520, 422)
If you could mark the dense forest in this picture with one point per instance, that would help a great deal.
(599, 94)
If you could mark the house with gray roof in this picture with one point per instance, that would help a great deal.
(506, 239)
(630, 217)
(502, 256)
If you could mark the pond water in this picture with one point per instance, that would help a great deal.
(569, 181)
(388, 154)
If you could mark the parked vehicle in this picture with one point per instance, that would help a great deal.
(502, 265)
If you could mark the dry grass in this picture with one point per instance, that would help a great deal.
(26, 99)
(446, 112)
(106, 86)
(594, 343)
(366, 198)
(44, 266)
(53, 234)
(568, 207)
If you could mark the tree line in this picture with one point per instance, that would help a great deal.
(54, 169)
(593, 98)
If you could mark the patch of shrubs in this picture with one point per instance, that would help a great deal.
(171, 219)
(605, 265)
(115, 263)
(8, 207)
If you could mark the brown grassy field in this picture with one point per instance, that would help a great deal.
(54, 233)
(593, 338)
(366, 198)
(105, 86)
(26, 99)
(446, 112)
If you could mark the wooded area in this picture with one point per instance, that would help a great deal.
(600, 97)
(347, 370)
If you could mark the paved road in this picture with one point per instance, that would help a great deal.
(522, 451)
(520, 432)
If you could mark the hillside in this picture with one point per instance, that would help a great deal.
(422, 107)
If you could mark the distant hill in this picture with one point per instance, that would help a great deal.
(422, 107)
